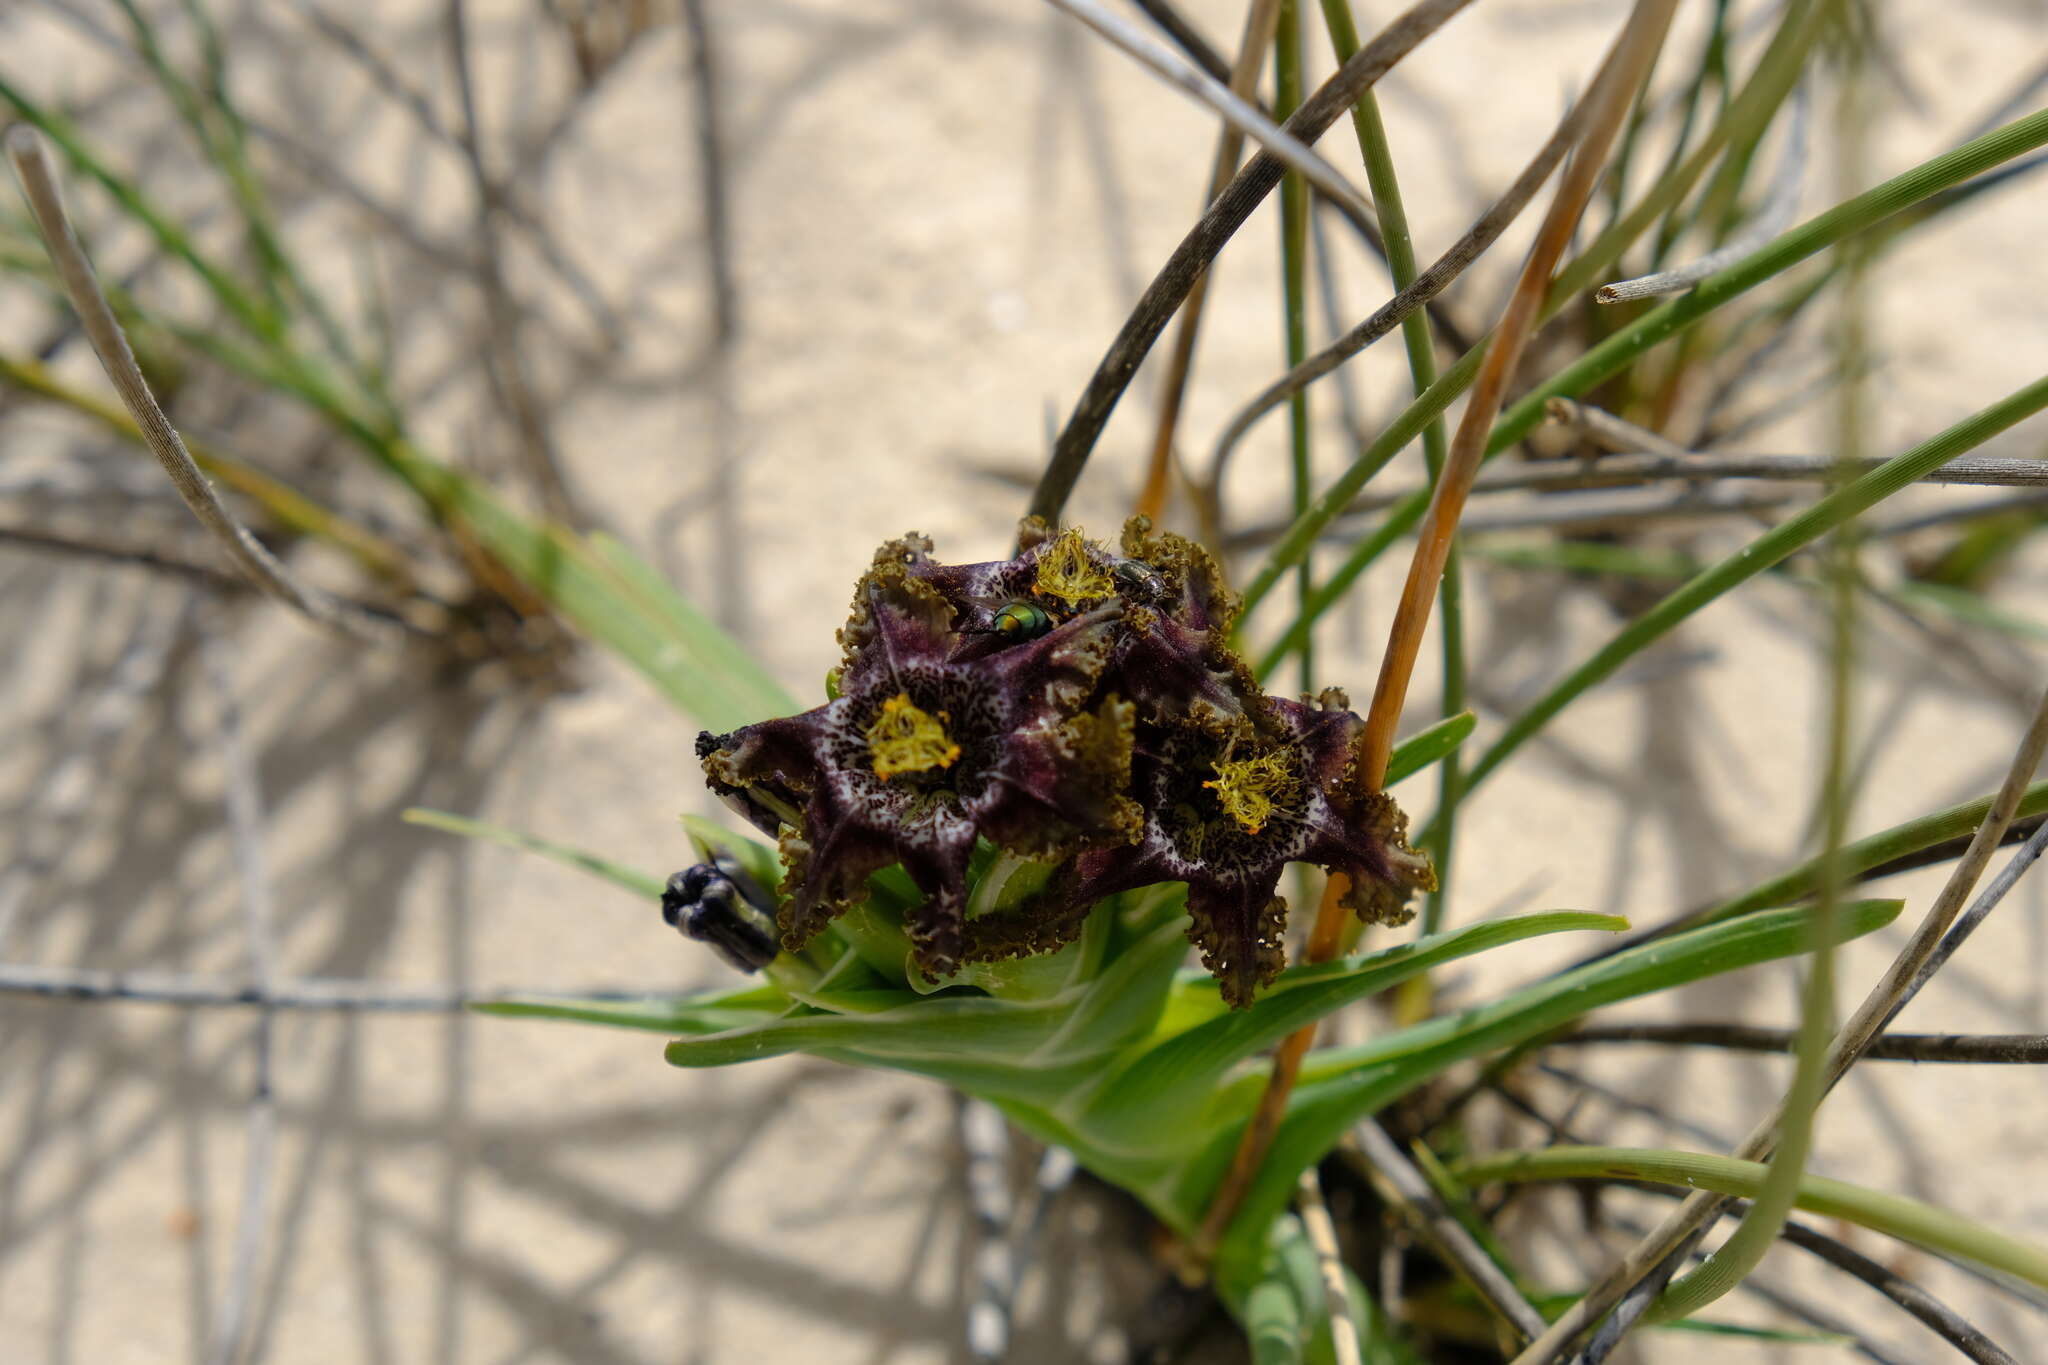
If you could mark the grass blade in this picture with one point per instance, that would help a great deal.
(1420, 750)
(604, 869)
(1909, 1220)
(1765, 551)
(1603, 361)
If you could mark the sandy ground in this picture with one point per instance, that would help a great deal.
(941, 212)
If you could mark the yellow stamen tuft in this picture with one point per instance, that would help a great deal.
(1249, 789)
(1065, 571)
(905, 739)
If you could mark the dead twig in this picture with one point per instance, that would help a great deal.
(1405, 1187)
(1780, 206)
(1980, 1049)
(1322, 1236)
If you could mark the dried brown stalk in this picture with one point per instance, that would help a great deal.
(1606, 104)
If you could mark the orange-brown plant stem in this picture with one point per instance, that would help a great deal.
(1244, 79)
(1607, 102)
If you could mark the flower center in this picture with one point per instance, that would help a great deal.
(1065, 571)
(907, 739)
(1250, 789)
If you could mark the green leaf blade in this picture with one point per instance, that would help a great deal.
(1165, 1089)
(627, 879)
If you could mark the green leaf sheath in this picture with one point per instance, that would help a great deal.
(1158, 1097)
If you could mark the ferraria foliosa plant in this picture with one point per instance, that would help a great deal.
(1035, 782)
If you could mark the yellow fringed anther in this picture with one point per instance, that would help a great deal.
(907, 739)
(1065, 571)
(1249, 789)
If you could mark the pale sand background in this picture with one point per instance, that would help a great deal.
(942, 212)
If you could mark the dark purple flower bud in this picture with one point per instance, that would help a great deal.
(720, 904)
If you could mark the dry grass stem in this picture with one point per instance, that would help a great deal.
(1999, 1049)
(104, 716)
(1950, 1325)
(31, 162)
(1780, 207)
(1407, 1190)
(1199, 248)
(1633, 470)
(1186, 37)
(1322, 1235)
(135, 556)
(1615, 434)
(1607, 103)
(1244, 80)
(1420, 291)
(1577, 514)
(505, 366)
(252, 871)
(2007, 878)
(985, 1141)
(307, 993)
(1232, 107)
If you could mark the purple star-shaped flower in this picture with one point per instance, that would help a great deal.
(924, 751)
(1226, 813)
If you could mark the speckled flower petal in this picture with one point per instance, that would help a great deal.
(1239, 928)
(1226, 814)
(920, 755)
